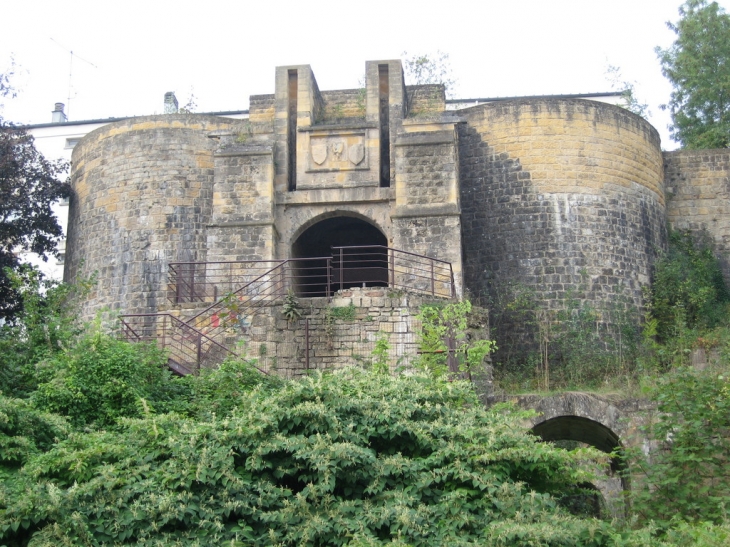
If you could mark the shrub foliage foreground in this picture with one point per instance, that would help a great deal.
(351, 458)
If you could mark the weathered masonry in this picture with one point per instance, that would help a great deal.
(564, 196)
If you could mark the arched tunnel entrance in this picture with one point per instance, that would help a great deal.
(574, 430)
(362, 262)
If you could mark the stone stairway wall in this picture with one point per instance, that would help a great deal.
(343, 331)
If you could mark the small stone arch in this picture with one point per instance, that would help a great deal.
(586, 419)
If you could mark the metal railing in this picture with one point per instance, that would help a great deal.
(355, 266)
(240, 311)
(245, 311)
(210, 281)
(377, 265)
(188, 349)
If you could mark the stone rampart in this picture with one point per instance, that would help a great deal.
(563, 197)
(698, 189)
(143, 192)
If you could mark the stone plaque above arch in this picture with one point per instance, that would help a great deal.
(337, 151)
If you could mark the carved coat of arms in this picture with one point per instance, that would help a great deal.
(319, 152)
(356, 153)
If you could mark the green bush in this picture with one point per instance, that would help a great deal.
(45, 326)
(687, 476)
(102, 379)
(26, 431)
(688, 290)
(444, 332)
(351, 458)
(217, 392)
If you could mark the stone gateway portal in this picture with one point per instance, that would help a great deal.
(355, 249)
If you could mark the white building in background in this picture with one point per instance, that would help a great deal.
(56, 140)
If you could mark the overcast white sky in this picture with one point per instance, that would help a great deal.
(227, 50)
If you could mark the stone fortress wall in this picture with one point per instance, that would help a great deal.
(142, 197)
(697, 184)
(564, 196)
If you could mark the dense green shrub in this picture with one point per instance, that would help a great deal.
(444, 332)
(26, 431)
(350, 458)
(217, 392)
(687, 477)
(688, 290)
(102, 379)
(45, 326)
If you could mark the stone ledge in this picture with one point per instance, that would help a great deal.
(441, 210)
(430, 138)
(244, 151)
(338, 126)
(241, 223)
(360, 194)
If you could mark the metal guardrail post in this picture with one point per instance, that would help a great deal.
(199, 350)
(176, 282)
(433, 284)
(342, 273)
(329, 277)
(453, 284)
(164, 332)
(282, 279)
(391, 252)
(230, 278)
(306, 343)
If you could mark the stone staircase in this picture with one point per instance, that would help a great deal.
(247, 322)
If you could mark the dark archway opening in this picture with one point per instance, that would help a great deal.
(366, 265)
(572, 431)
(585, 501)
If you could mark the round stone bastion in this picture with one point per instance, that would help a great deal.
(561, 198)
(142, 196)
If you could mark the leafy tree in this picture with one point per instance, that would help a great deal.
(628, 92)
(426, 72)
(687, 478)
(429, 68)
(350, 458)
(29, 185)
(698, 66)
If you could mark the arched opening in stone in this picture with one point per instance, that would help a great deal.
(587, 500)
(348, 267)
(570, 432)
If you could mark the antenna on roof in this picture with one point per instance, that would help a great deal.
(70, 72)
